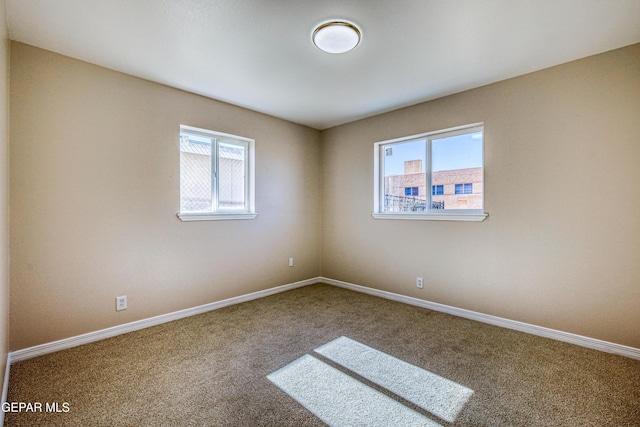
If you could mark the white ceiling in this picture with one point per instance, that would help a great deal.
(258, 53)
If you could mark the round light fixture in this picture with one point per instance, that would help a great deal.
(336, 36)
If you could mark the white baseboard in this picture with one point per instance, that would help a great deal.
(5, 386)
(608, 347)
(66, 343)
(39, 350)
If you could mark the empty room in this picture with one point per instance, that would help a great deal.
(308, 213)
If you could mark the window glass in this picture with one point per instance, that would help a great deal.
(456, 160)
(195, 173)
(449, 162)
(231, 160)
(404, 177)
(216, 175)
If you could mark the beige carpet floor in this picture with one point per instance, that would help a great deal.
(211, 369)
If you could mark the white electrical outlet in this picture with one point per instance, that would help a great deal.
(290, 262)
(121, 303)
(419, 282)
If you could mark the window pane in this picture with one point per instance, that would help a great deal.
(231, 176)
(195, 173)
(404, 176)
(456, 162)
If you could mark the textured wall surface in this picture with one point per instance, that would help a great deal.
(4, 189)
(95, 184)
(95, 192)
(561, 247)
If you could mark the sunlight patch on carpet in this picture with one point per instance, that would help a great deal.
(433, 393)
(340, 400)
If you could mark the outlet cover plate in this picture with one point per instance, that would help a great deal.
(121, 303)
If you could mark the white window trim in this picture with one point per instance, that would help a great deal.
(214, 216)
(249, 212)
(451, 215)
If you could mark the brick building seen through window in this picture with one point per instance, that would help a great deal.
(456, 189)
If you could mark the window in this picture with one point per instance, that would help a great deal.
(464, 188)
(216, 175)
(449, 161)
(411, 191)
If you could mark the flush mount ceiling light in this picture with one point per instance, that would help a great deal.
(336, 36)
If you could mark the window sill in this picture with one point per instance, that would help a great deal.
(214, 216)
(450, 216)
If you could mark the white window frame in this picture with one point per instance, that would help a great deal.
(431, 214)
(248, 212)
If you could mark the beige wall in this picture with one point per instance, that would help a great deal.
(95, 192)
(95, 187)
(4, 189)
(561, 247)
